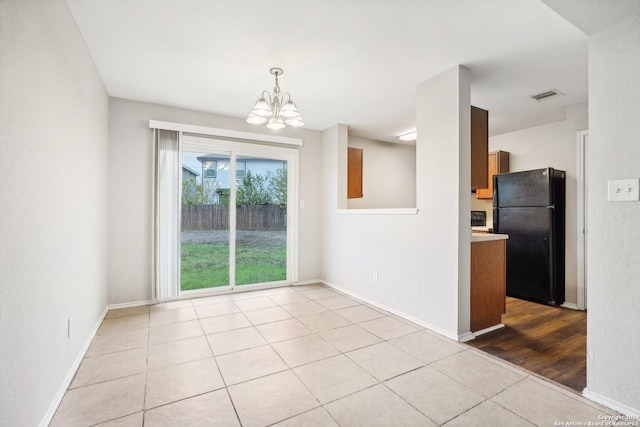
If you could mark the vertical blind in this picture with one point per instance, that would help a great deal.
(166, 213)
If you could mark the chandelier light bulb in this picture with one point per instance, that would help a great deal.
(256, 120)
(289, 110)
(275, 123)
(262, 108)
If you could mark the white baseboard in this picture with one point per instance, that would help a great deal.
(48, 416)
(460, 338)
(307, 282)
(129, 304)
(610, 403)
(570, 305)
(486, 330)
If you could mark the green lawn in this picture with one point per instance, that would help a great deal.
(207, 265)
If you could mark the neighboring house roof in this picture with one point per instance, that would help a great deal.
(188, 169)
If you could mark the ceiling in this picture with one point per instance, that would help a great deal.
(355, 62)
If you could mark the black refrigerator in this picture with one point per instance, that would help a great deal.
(529, 206)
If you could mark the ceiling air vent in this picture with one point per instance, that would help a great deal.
(543, 96)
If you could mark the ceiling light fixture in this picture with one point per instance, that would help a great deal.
(411, 136)
(277, 113)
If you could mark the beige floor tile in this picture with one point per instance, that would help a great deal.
(564, 390)
(120, 324)
(303, 350)
(425, 347)
(479, 374)
(172, 305)
(270, 399)
(304, 308)
(110, 366)
(215, 299)
(279, 291)
(164, 317)
(384, 361)
(488, 414)
(310, 286)
(359, 313)
(408, 322)
(212, 325)
(181, 381)
(283, 330)
(266, 315)
(100, 402)
(319, 293)
(255, 303)
(174, 332)
(219, 309)
(333, 378)
(176, 352)
(235, 340)
(437, 396)
(210, 409)
(324, 321)
(249, 364)
(376, 407)
(134, 420)
(288, 298)
(240, 295)
(349, 338)
(387, 328)
(543, 405)
(111, 343)
(338, 302)
(318, 417)
(379, 310)
(129, 311)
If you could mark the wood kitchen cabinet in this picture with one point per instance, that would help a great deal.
(479, 147)
(498, 163)
(488, 283)
(354, 173)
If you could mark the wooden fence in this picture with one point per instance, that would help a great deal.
(216, 217)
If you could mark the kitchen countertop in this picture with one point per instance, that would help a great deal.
(487, 237)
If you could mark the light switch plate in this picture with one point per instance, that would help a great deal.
(623, 190)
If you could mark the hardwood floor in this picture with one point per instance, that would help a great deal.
(550, 341)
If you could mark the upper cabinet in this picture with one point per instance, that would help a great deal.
(498, 163)
(479, 148)
(354, 173)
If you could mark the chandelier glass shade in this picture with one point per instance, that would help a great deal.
(277, 110)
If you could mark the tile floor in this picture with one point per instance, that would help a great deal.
(298, 356)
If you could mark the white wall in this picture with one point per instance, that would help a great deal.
(388, 175)
(551, 145)
(613, 333)
(53, 204)
(422, 260)
(130, 192)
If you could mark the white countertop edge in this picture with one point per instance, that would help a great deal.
(389, 211)
(487, 237)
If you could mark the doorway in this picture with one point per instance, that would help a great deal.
(236, 213)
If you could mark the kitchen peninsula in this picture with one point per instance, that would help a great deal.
(488, 280)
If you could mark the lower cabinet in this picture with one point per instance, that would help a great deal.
(488, 283)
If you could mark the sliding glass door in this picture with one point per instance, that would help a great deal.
(235, 205)
(204, 228)
(261, 220)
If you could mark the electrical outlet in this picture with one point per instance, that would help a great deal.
(623, 190)
(375, 276)
(69, 326)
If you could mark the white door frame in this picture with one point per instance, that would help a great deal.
(581, 220)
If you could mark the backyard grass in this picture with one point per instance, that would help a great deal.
(206, 265)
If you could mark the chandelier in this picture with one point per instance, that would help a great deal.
(277, 112)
